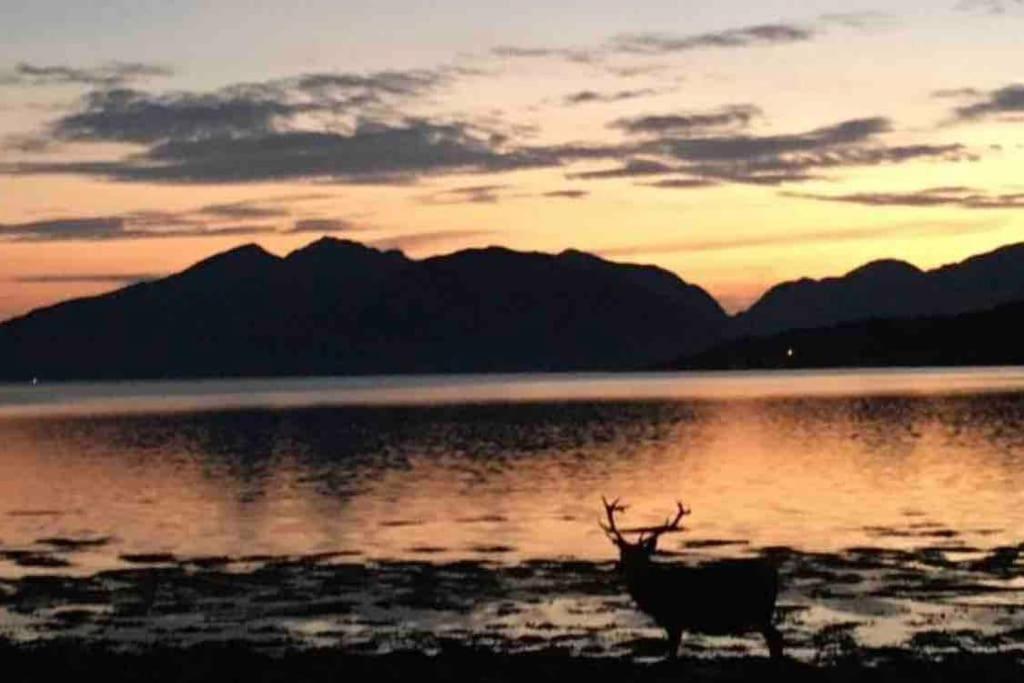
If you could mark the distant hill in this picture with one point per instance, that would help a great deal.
(339, 307)
(887, 289)
(990, 337)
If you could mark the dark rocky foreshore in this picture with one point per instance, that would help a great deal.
(73, 660)
(935, 602)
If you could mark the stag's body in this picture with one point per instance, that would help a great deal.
(718, 598)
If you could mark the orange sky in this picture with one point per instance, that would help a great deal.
(773, 148)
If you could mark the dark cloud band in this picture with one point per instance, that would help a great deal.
(1008, 100)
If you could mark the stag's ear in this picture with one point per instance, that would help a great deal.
(650, 545)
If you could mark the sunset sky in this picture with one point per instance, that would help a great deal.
(736, 143)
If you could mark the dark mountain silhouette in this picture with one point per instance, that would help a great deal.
(888, 289)
(338, 307)
(990, 337)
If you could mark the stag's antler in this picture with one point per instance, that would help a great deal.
(610, 529)
(647, 533)
(653, 532)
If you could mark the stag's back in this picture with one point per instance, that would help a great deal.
(723, 597)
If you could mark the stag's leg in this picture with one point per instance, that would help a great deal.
(674, 636)
(774, 640)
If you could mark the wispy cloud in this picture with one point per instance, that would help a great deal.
(240, 218)
(748, 36)
(471, 194)
(322, 225)
(732, 116)
(635, 70)
(104, 76)
(244, 210)
(592, 96)
(492, 194)
(630, 45)
(956, 93)
(682, 183)
(665, 43)
(107, 228)
(579, 56)
(87, 278)
(630, 169)
(959, 197)
(566, 194)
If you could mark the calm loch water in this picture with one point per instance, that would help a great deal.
(508, 471)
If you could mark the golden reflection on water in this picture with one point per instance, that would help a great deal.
(815, 477)
(507, 481)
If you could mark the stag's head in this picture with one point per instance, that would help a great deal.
(638, 553)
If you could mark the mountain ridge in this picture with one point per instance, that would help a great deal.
(887, 288)
(342, 307)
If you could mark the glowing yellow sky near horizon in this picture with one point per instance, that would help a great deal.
(733, 240)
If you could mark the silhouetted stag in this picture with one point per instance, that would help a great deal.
(717, 598)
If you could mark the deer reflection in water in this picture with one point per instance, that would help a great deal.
(717, 598)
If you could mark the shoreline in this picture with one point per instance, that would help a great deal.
(175, 396)
(938, 601)
(57, 660)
